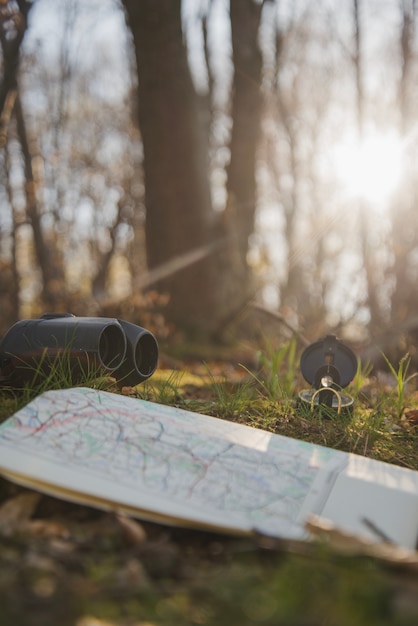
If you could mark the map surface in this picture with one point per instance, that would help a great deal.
(164, 463)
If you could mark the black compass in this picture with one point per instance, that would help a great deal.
(328, 365)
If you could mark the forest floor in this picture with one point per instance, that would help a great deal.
(68, 564)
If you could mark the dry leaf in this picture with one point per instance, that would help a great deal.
(133, 531)
(15, 512)
(46, 528)
(134, 573)
(411, 416)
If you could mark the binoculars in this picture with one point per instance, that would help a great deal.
(82, 345)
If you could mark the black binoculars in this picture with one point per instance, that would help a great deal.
(33, 348)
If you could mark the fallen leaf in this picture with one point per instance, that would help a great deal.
(411, 416)
(16, 511)
(46, 528)
(134, 574)
(132, 530)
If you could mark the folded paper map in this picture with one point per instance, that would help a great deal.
(173, 466)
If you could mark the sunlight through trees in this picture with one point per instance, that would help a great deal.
(214, 154)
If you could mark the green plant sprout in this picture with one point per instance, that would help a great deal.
(361, 376)
(402, 379)
(278, 370)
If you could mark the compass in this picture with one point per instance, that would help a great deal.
(328, 365)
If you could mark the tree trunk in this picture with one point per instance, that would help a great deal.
(48, 256)
(179, 217)
(246, 115)
(405, 238)
(12, 32)
(372, 283)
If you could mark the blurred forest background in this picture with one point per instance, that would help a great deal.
(175, 162)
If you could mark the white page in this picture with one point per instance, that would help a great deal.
(375, 500)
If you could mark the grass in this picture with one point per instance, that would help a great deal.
(180, 577)
(401, 378)
(278, 370)
(49, 373)
(265, 398)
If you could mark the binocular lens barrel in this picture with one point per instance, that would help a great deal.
(146, 354)
(112, 347)
(141, 355)
(84, 345)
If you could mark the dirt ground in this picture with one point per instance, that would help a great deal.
(62, 563)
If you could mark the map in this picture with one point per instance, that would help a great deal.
(165, 464)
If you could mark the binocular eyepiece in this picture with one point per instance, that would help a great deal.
(33, 348)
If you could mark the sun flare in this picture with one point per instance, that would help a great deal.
(370, 169)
